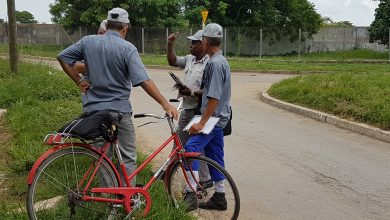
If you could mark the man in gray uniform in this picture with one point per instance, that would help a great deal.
(215, 102)
(114, 66)
(193, 65)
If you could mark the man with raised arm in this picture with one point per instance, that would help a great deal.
(215, 102)
(114, 66)
(193, 65)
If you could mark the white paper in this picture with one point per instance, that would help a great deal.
(210, 124)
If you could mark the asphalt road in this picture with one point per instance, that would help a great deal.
(287, 166)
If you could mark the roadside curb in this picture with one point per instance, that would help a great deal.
(327, 118)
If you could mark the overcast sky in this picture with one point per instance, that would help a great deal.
(359, 12)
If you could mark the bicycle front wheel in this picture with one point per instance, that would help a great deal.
(56, 191)
(207, 207)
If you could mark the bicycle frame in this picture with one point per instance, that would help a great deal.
(125, 191)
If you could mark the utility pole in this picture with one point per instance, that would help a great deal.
(13, 51)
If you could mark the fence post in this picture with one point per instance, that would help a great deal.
(344, 40)
(13, 50)
(300, 46)
(29, 35)
(143, 42)
(224, 43)
(356, 37)
(167, 34)
(261, 42)
(389, 45)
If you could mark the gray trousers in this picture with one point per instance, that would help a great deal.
(127, 147)
(185, 117)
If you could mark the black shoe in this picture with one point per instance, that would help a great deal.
(191, 201)
(205, 184)
(216, 202)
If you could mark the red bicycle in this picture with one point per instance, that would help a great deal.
(77, 180)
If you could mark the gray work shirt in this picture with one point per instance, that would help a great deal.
(193, 72)
(113, 65)
(217, 85)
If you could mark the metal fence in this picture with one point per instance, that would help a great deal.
(236, 42)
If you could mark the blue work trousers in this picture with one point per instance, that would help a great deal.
(212, 144)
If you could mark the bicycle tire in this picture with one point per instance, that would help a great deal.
(54, 188)
(176, 183)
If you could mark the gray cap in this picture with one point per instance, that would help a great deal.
(103, 25)
(213, 30)
(119, 15)
(197, 36)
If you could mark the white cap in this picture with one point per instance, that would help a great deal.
(197, 36)
(103, 25)
(119, 15)
(213, 30)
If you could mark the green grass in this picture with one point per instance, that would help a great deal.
(39, 100)
(289, 66)
(340, 56)
(362, 97)
(35, 49)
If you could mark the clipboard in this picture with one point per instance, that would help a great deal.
(209, 126)
(177, 80)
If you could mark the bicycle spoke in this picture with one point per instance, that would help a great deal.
(212, 205)
(75, 167)
(54, 193)
(60, 183)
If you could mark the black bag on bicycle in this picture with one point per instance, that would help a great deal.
(90, 125)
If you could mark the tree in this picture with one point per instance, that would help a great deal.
(25, 17)
(379, 28)
(1, 20)
(328, 22)
(277, 18)
(284, 17)
(156, 13)
(271, 15)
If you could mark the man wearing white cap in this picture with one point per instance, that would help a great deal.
(215, 102)
(114, 66)
(193, 65)
(102, 28)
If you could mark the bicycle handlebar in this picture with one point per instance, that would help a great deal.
(170, 119)
(142, 115)
(149, 115)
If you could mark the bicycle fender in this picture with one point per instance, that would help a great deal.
(43, 157)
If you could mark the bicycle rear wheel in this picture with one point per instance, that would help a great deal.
(56, 192)
(177, 183)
